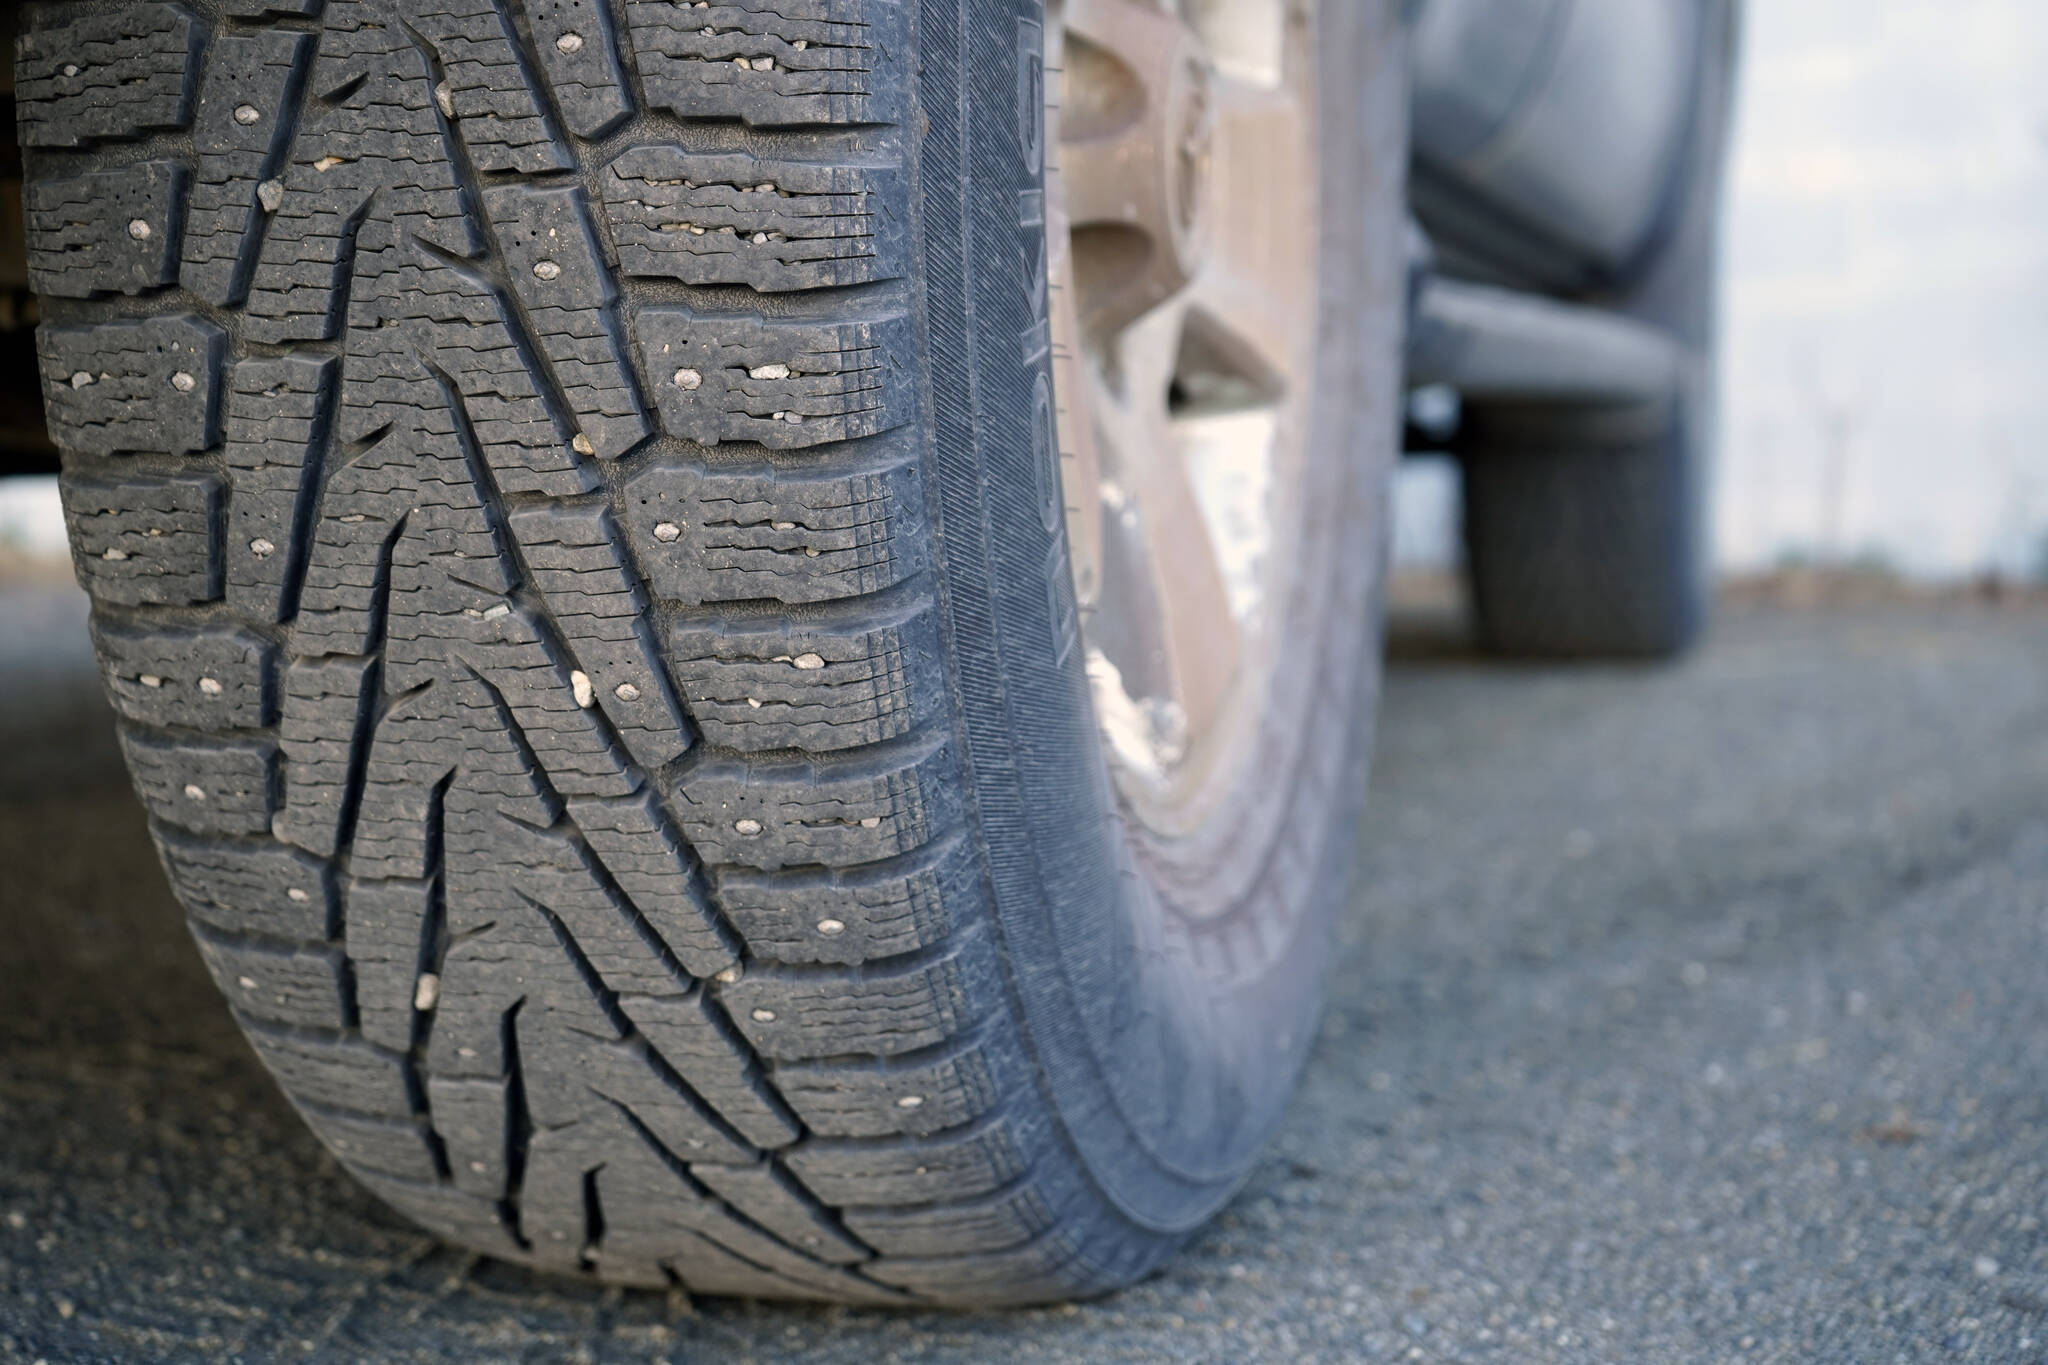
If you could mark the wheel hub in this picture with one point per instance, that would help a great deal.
(1183, 196)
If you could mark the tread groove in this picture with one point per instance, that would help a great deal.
(518, 1127)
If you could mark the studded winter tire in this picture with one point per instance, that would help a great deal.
(646, 708)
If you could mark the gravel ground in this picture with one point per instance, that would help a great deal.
(1687, 1014)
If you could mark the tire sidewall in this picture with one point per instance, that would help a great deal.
(1167, 1066)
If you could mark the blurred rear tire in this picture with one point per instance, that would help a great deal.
(1586, 526)
(1584, 531)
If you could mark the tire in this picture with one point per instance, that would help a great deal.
(1583, 534)
(1586, 527)
(647, 835)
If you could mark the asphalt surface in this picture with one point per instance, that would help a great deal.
(1681, 1014)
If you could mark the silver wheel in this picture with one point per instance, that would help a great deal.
(1183, 208)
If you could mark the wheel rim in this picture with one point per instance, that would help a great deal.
(1183, 214)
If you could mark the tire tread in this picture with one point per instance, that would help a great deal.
(541, 602)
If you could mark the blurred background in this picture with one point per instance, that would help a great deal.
(1886, 271)
(1885, 308)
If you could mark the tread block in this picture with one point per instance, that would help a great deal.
(266, 9)
(254, 888)
(514, 963)
(574, 557)
(151, 385)
(339, 1072)
(637, 1232)
(247, 114)
(327, 704)
(962, 1164)
(688, 1034)
(145, 541)
(472, 1115)
(106, 232)
(641, 850)
(801, 63)
(855, 915)
(838, 1100)
(787, 384)
(1039, 1270)
(750, 533)
(395, 1147)
(579, 53)
(298, 986)
(570, 1078)
(1010, 1219)
(766, 1194)
(369, 179)
(703, 1267)
(864, 1011)
(602, 1157)
(209, 787)
(419, 741)
(437, 1204)
(385, 922)
(410, 758)
(278, 417)
(821, 680)
(553, 876)
(212, 678)
(119, 73)
(536, 687)
(778, 813)
(485, 92)
(568, 294)
(736, 218)
(386, 521)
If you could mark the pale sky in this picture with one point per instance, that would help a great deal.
(1888, 264)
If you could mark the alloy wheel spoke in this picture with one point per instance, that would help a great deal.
(1258, 272)
(1182, 200)
(1158, 547)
